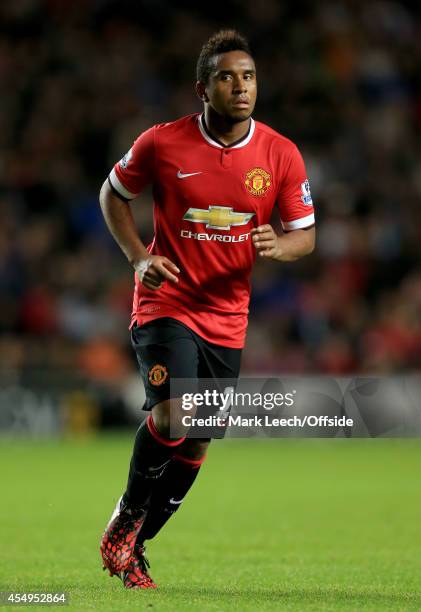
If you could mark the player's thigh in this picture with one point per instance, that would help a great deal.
(219, 364)
(165, 351)
(219, 368)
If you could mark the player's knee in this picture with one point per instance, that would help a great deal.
(194, 448)
(161, 414)
(167, 418)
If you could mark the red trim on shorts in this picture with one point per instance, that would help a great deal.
(194, 463)
(160, 438)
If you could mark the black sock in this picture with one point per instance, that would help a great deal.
(151, 455)
(168, 495)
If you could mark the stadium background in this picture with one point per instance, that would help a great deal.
(300, 524)
(81, 79)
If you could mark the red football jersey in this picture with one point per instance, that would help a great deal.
(207, 198)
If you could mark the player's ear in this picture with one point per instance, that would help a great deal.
(201, 91)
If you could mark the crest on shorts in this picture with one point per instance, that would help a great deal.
(157, 375)
(257, 181)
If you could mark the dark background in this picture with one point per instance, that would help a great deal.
(80, 80)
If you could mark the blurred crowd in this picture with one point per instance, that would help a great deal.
(81, 79)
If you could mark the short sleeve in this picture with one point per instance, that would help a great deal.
(136, 169)
(294, 198)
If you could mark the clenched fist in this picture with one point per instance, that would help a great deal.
(156, 269)
(266, 241)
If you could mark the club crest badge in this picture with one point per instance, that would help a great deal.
(157, 375)
(257, 181)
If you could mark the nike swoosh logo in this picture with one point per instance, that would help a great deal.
(180, 174)
(157, 468)
(175, 501)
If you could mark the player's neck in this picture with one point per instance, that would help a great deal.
(224, 131)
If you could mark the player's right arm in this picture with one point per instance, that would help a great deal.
(152, 270)
(125, 182)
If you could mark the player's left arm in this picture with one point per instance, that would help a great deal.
(287, 247)
(296, 211)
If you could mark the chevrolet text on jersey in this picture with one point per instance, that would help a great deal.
(214, 237)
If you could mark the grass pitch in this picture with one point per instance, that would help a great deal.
(269, 525)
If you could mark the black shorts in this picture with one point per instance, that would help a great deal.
(166, 349)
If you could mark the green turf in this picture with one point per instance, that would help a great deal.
(269, 525)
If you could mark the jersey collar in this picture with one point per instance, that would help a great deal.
(216, 143)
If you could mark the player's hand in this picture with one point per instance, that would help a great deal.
(156, 269)
(265, 241)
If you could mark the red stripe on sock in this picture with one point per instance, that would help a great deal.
(158, 437)
(194, 463)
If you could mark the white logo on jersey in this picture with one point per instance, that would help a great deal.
(214, 237)
(306, 197)
(180, 175)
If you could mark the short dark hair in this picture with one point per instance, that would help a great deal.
(220, 42)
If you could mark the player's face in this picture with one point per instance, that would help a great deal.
(232, 86)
